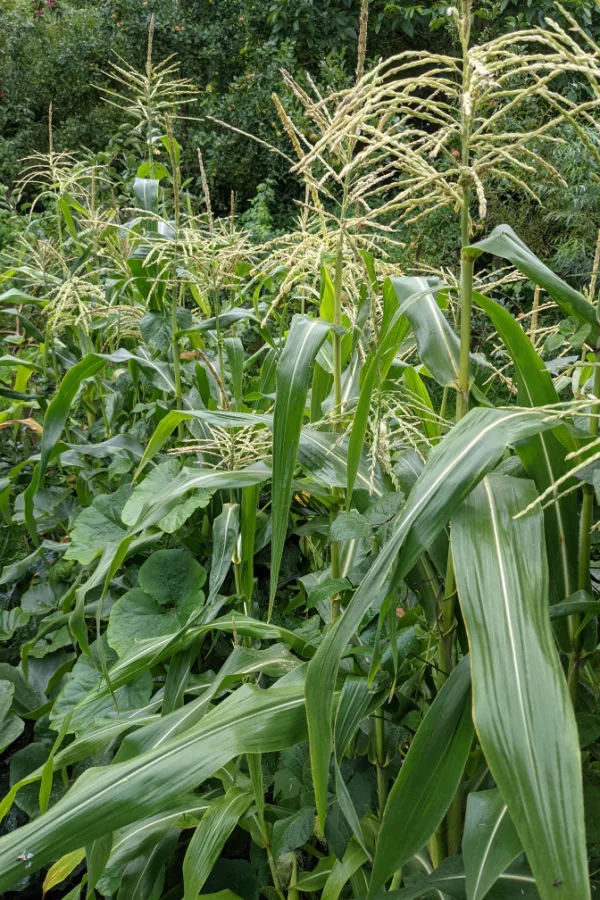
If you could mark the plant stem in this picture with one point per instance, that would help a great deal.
(176, 359)
(585, 539)
(466, 269)
(585, 545)
(587, 510)
(466, 303)
(338, 493)
(381, 755)
(447, 623)
(454, 823)
(293, 893)
(467, 263)
(435, 845)
(396, 880)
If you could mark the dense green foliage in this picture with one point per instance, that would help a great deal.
(299, 498)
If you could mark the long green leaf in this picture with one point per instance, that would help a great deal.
(523, 714)
(293, 377)
(490, 842)
(423, 406)
(249, 508)
(226, 529)
(141, 875)
(325, 455)
(343, 870)
(377, 366)
(428, 778)
(250, 721)
(454, 467)
(58, 410)
(148, 653)
(209, 838)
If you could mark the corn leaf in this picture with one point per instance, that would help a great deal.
(503, 242)
(293, 377)
(226, 529)
(522, 711)
(209, 838)
(428, 778)
(490, 842)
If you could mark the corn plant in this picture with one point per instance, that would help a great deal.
(304, 603)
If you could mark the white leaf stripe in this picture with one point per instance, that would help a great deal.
(486, 853)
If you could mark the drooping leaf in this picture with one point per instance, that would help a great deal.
(503, 242)
(293, 377)
(437, 343)
(522, 711)
(325, 456)
(249, 721)
(209, 838)
(276, 661)
(58, 410)
(453, 469)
